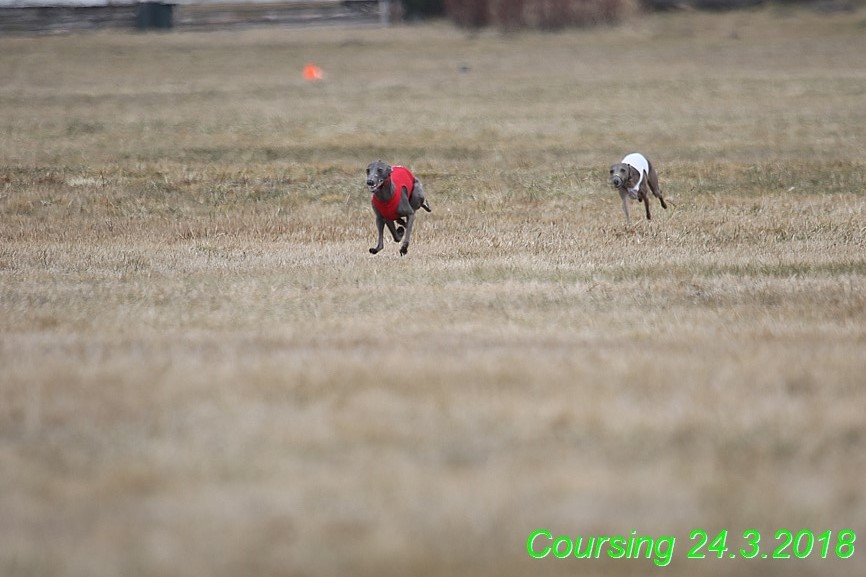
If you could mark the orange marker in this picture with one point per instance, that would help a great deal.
(313, 72)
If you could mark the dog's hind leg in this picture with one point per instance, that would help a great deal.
(419, 200)
(396, 232)
(643, 197)
(380, 227)
(410, 220)
(653, 181)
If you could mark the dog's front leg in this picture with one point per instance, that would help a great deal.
(624, 196)
(380, 227)
(410, 220)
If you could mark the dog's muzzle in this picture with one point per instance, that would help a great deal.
(373, 185)
(617, 182)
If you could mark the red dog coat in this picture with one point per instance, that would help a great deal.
(400, 177)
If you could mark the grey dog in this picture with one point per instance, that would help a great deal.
(634, 178)
(397, 194)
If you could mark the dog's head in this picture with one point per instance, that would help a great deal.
(377, 174)
(621, 174)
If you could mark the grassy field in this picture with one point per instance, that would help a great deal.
(203, 372)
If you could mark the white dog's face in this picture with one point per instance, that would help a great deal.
(377, 173)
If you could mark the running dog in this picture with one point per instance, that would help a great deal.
(634, 178)
(397, 194)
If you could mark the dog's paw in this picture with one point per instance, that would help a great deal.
(374, 250)
(404, 249)
(400, 232)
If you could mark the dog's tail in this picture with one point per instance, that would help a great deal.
(426, 206)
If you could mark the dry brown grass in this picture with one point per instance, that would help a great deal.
(205, 373)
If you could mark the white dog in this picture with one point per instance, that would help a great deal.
(634, 178)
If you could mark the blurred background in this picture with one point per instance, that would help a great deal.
(204, 373)
(41, 16)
